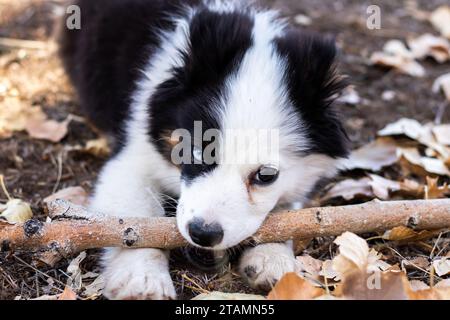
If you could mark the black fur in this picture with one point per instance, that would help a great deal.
(105, 57)
(313, 83)
(218, 44)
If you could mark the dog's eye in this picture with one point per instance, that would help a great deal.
(197, 153)
(266, 175)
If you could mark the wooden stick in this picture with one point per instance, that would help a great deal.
(73, 229)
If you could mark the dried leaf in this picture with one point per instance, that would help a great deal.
(443, 284)
(374, 156)
(98, 147)
(353, 253)
(440, 18)
(42, 128)
(382, 187)
(292, 287)
(416, 263)
(396, 55)
(95, 289)
(349, 96)
(402, 233)
(75, 195)
(68, 294)
(354, 256)
(429, 45)
(309, 265)
(397, 48)
(350, 189)
(442, 132)
(16, 211)
(417, 285)
(14, 115)
(435, 293)
(411, 160)
(360, 285)
(442, 266)
(434, 191)
(411, 188)
(73, 270)
(420, 133)
(328, 271)
(408, 127)
(216, 295)
(443, 84)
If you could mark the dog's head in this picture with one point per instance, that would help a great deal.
(248, 120)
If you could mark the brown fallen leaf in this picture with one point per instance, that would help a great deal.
(405, 234)
(396, 55)
(292, 287)
(354, 254)
(421, 133)
(75, 195)
(417, 285)
(435, 293)
(310, 266)
(416, 263)
(95, 288)
(15, 210)
(442, 132)
(14, 115)
(442, 266)
(98, 147)
(440, 18)
(443, 283)
(68, 294)
(328, 271)
(433, 191)
(374, 156)
(40, 127)
(74, 272)
(429, 45)
(404, 126)
(350, 189)
(442, 83)
(412, 161)
(360, 285)
(382, 187)
(412, 188)
(349, 96)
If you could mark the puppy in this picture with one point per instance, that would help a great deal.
(185, 87)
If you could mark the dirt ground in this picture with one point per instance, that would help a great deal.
(34, 169)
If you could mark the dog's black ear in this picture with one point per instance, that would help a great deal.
(313, 85)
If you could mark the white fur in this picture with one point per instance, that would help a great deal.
(263, 265)
(131, 185)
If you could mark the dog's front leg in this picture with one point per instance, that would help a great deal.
(262, 266)
(127, 187)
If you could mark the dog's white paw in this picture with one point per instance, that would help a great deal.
(137, 274)
(263, 265)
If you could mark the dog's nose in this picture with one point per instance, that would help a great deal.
(205, 235)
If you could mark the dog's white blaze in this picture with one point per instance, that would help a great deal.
(256, 99)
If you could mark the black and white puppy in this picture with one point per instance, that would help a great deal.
(144, 69)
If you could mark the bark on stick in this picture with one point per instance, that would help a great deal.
(74, 229)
